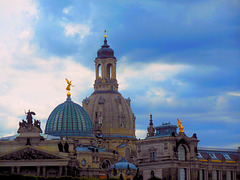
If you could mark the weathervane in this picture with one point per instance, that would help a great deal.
(68, 88)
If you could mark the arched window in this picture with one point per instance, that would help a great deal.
(99, 71)
(214, 175)
(200, 174)
(100, 121)
(229, 175)
(109, 71)
(181, 153)
(182, 174)
(127, 152)
(105, 164)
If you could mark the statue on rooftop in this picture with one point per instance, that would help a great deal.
(181, 128)
(68, 88)
(29, 116)
(66, 147)
(37, 123)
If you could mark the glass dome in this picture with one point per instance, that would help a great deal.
(69, 119)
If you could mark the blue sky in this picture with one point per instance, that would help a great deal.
(176, 59)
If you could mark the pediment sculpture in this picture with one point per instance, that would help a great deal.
(28, 154)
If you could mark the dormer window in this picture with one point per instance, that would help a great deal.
(212, 155)
(199, 156)
(181, 153)
(226, 156)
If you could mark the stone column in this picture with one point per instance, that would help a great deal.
(234, 175)
(206, 174)
(12, 169)
(18, 169)
(96, 71)
(60, 171)
(220, 175)
(188, 174)
(38, 170)
(66, 169)
(44, 171)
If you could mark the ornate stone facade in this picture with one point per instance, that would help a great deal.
(172, 155)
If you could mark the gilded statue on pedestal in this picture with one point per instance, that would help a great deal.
(181, 128)
(68, 88)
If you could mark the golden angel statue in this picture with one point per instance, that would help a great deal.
(68, 88)
(180, 125)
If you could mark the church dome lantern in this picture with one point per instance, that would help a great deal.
(105, 51)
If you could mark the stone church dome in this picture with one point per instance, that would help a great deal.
(110, 113)
(69, 119)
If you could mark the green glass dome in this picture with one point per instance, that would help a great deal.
(69, 119)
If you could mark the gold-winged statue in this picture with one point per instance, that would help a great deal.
(68, 88)
(181, 128)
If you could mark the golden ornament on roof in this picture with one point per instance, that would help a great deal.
(68, 88)
(181, 128)
(105, 35)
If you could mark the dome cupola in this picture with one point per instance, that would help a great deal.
(123, 165)
(105, 51)
(69, 119)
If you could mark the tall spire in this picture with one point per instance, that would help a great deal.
(150, 129)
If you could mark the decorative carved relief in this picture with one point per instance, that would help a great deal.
(118, 99)
(28, 154)
(101, 100)
(165, 146)
(152, 149)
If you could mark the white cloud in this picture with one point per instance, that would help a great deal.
(66, 10)
(221, 103)
(144, 75)
(28, 81)
(71, 29)
(43, 88)
(141, 133)
(130, 75)
(233, 93)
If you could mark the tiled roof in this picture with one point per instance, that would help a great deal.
(218, 154)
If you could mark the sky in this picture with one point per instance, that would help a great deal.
(176, 59)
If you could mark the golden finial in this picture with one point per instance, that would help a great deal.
(180, 126)
(105, 35)
(68, 88)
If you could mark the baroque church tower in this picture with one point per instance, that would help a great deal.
(110, 113)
